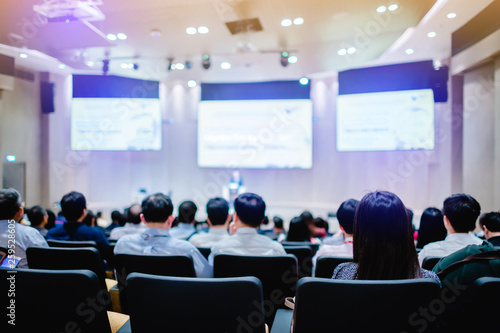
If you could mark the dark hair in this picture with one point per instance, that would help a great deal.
(116, 216)
(157, 207)
(217, 210)
(431, 227)
(90, 218)
(36, 215)
(307, 217)
(265, 220)
(250, 208)
(321, 223)
(278, 222)
(10, 202)
(298, 231)
(345, 215)
(134, 214)
(51, 223)
(73, 205)
(491, 221)
(410, 215)
(187, 212)
(383, 241)
(462, 211)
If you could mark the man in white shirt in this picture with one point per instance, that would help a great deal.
(186, 218)
(460, 214)
(156, 239)
(345, 215)
(249, 213)
(133, 225)
(218, 220)
(15, 237)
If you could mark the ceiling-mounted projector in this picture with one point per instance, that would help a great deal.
(71, 10)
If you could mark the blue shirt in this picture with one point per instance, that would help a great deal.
(160, 242)
(77, 231)
(183, 231)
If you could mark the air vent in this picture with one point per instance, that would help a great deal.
(242, 26)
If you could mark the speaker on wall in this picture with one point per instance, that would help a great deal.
(47, 96)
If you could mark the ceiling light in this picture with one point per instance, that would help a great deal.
(90, 63)
(451, 15)
(23, 55)
(409, 51)
(191, 83)
(61, 66)
(431, 34)
(225, 65)
(124, 65)
(381, 9)
(191, 31)
(298, 21)
(179, 66)
(155, 33)
(351, 50)
(111, 36)
(121, 36)
(342, 52)
(203, 30)
(10, 158)
(393, 7)
(292, 59)
(304, 80)
(286, 23)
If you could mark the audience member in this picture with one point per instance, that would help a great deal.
(383, 245)
(345, 215)
(218, 220)
(90, 219)
(321, 227)
(116, 219)
(38, 218)
(51, 222)
(279, 231)
(460, 214)
(11, 212)
(249, 213)
(490, 223)
(309, 219)
(186, 218)
(431, 227)
(133, 224)
(298, 231)
(156, 239)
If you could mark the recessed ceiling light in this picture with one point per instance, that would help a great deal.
(351, 50)
(121, 36)
(451, 15)
(61, 66)
(179, 66)
(191, 83)
(431, 34)
(342, 52)
(298, 21)
(393, 7)
(191, 30)
(293, 59)
(111, 36)
(286, 23)
(304, 80)
(203, 30)
(381, 9)
(23, 55)
(409, 51)
(225, 65)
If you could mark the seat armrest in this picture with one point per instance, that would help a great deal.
(115, 299)
(282, 321)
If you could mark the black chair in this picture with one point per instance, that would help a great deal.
(326, 265)
(67, 258)
(304, 258)
(429, 262)
(173, 304)
(278, 275)
(205, 251)
(314, 247)
(325, 305)
(62, 243)
(181, 266)
(53, 301)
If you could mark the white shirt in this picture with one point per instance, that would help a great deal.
(450, 244)
(23, 238)
(339, 251)
(246, 241)
(209, 239)
(128, 229)
(160, 242)
(182, 231)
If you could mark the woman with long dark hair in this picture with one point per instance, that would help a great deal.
(383, 245)
(431, 227)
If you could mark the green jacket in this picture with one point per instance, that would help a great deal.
(471, 271)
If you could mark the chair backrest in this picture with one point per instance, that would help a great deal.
(323, 305)
(429, 262)
(53, 301)
(278, 275)
(326, 265)
(181, 266)
(304, 258)
(175, 304)
(205, 251)
(63, 243)
(314, 247)
(67, 258)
